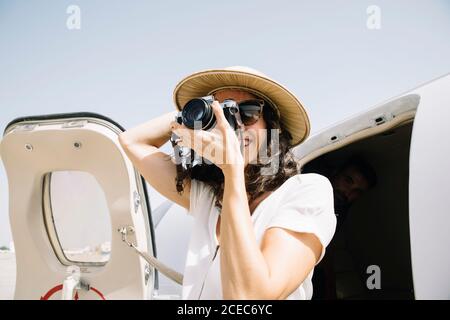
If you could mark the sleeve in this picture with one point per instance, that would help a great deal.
(308, 207)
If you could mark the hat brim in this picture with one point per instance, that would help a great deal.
(293, 115)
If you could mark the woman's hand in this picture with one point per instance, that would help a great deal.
(220, 145)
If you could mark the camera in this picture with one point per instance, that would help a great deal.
(197, 114)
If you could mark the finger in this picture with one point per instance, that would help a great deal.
(205, 145)
(200, 140)
(175, 125)
(174, 136)
(185, 136)
(218, 112)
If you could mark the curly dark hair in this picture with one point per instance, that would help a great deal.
(255, 182)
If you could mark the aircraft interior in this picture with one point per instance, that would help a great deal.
(375, 231)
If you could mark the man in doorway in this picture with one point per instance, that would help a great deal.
(350, 182)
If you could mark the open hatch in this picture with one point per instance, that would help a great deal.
(71, 188)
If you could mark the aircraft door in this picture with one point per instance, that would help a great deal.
(71, 189)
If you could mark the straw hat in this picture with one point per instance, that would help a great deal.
(292, 113)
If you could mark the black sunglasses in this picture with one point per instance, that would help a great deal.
(250, 111)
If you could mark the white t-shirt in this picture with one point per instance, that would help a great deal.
(303, 203)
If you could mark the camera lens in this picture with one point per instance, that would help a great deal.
(197, 110)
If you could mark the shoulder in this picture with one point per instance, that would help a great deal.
(308, 194)
(315, 179)
(310, 184)
(306, 205)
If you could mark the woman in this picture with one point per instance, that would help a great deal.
(257, 233)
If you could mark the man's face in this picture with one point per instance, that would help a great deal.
(350, 184)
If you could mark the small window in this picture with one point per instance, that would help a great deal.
(77, 218)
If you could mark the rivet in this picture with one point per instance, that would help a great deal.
(77, 145)
(29, 147)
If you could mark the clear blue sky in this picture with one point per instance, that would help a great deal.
(128, 55)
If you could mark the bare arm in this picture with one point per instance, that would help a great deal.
(142, 143)
(271, 271)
